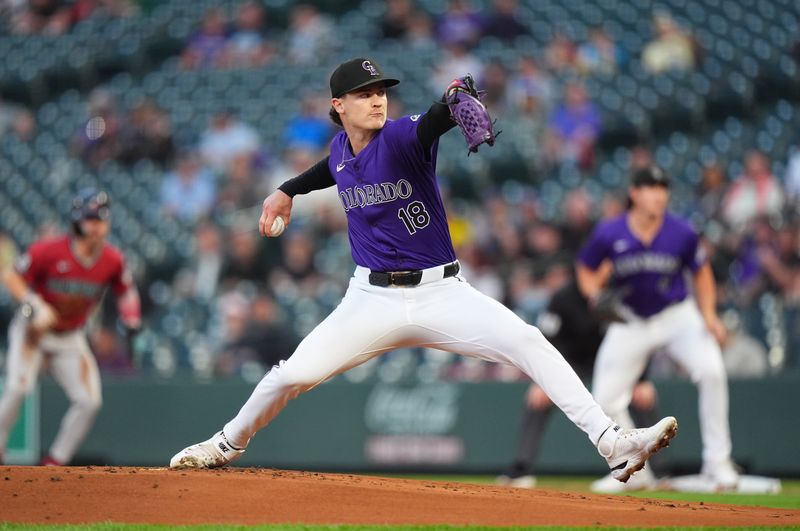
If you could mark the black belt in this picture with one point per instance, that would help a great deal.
(407, 278)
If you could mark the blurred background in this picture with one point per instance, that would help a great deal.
(190, 112)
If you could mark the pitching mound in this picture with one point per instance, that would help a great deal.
(255, 496)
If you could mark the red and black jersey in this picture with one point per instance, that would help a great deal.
(72, 286)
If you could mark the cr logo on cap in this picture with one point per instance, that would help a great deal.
(366, 65)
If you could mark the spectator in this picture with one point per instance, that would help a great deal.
(420, 34)
(201, 276)
(531, 88)
(206, 47)
(792, 178)
(578, 220)
(641, 157)
(573, 128)
(397, 19)
(459, 25)
(297, 266)
(147, 136)
(755, 193)
(504, 21)
(297, 159)
(244, 258)
(225, 138)
(99, 139)
(456, 61)
(17, 120)
(250, 45)
(600, 54)
(241, 186)
(46, 17)
(671, 49)
(188, 192)
(264, 338)
(311, 35)
(83, 9)
(561, 54)
(711, 192)
(495, 82)
(311, 128)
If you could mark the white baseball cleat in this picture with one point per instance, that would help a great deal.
(213, 453)
(632, 448)
(723, 475)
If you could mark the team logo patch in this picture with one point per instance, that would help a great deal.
(366, 65)
(414, 117)
(62, 266)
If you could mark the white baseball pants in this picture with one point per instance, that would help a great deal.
(71, 364)
(442, 313)
(680, 329)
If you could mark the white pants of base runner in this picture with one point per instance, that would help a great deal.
(680, 330)
(71, 364)
(442, 313)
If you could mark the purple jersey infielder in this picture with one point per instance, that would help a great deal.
(645, 254)
(406, 290)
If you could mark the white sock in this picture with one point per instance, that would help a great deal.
(606, 443)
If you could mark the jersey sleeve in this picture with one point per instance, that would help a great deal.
(32, 264)
(122, 280)
(695, 255)
(595, 250)
(401, 136)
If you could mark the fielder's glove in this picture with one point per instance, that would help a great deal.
(607, 307)
(466, 109)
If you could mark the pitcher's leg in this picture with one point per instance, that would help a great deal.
(22, 370)
(364, 325)
(467, 322)
(74, 368)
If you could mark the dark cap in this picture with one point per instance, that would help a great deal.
(650, 176)
(355, 74)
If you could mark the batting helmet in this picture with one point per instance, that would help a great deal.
(90, 203)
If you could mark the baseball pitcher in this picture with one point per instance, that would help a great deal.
(58, 282)
(407, 290)
(650, 251)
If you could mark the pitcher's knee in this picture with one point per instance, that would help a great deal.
(294, 380)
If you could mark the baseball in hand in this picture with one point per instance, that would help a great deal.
(278, 227)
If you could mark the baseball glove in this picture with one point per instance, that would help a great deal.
(466, 109)
(607, 307)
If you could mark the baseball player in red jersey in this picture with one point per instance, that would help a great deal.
(58, 282)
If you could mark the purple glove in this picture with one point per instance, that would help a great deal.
(466, 109)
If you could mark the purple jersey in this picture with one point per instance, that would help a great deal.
(395, 216)
(649, 277)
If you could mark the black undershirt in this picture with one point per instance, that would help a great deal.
(432, 125)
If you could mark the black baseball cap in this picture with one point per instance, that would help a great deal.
(355, 74)
(650, 176)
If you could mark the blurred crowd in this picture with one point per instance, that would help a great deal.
(56, 17)
(263, 295)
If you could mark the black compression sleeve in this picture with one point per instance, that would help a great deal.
(316, 177)
(434, 124)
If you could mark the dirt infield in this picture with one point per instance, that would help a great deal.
(255, 496)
